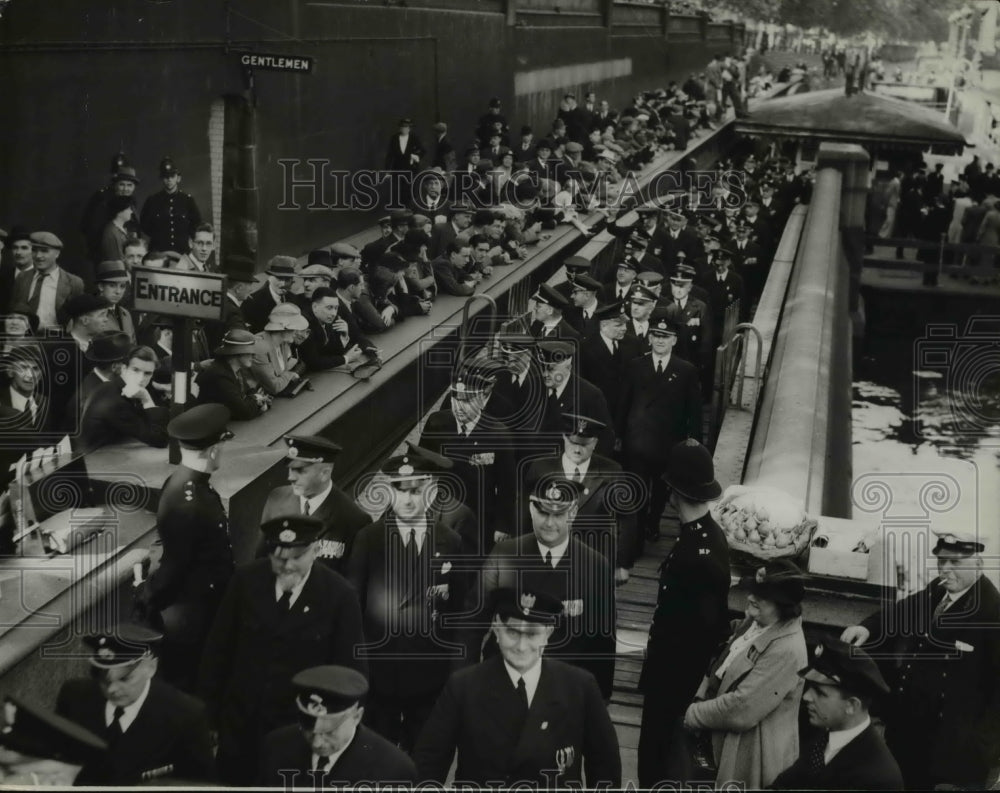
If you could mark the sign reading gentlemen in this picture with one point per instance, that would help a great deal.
(277, 63)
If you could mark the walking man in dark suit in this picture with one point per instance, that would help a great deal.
(660, 406)
(943, 719)
(520, 717)
(329, 747)
(401, 568)
(603, 356)
(311, 491)
(841, 684)
(153, 730)
(547, 320)
(405, 150)
(279, 615)
(694, 325)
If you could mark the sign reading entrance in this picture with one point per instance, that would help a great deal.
(277, 63)
(179, 293)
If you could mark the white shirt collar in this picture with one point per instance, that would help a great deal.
(558, 552)
(569, 467)
(419, 531)
(665, 359)
(296, 590)
(561, 388)
(531, 678)
(278, 299)
(953, 596)
(840, 738)
(465, 429)
(331, 760)
(609, 343)
(315, 502)
(129, 712)
(18, 401)
(642, 324)
(589, 310)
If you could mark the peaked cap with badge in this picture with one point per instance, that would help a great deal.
(311, 449)
(292, 531)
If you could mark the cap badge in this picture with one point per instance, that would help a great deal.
(406, 470)
(581, 427)
(460, 387)
(102, 641)
(293, 452)
(315, 706)
(819, 650)
(553, 494)
(761, 575)
(106, 654)
(287, 535)
(527, 603)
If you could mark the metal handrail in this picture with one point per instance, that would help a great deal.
(463, 330)
(730, 371)
(741, 329)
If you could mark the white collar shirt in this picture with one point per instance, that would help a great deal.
(331, 760)
(419, 532)
(570, 468)
(46, 312)
(561, 388)
(315, 502)
(531, 678)
(640, 327)
(129, 712)
(23, 404)
(558, 551)
(296, 590)
(660, 361)
(953, 596)
(838, 739)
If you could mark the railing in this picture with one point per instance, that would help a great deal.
(948, 258)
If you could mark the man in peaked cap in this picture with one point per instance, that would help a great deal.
(404, 151)
(581, 314)
(521, 717)
(604, 354)
(547, 316)
(724, 288)
(639, 307)
(692, 612)
(311, 491)
(401, 568)
(640, 248)
(41, 748)
(943, 716)
(170, 216)
(617, 290)
(46, 287)
(153, 730)
(750, 261)
(842, 682)
(604, 523)
(575, 265)
(481, 448)
(660, 406)
(329, 745)
(551, 558)
(694, 324)
(183, 591)
(279, 615)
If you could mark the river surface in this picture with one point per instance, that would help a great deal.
(926, 443)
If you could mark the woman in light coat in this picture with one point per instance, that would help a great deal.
(274, 364)
(750, 699)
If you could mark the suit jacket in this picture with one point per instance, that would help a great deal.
(483, 465)
(604, 370)
(286, 759)
(943, 720)
(441, 235)
(666, 248)
(584, 327)
(253, 650)
(168, 738)
(399, 159)
(324, 348)
(111, 418)
(720, 296)
(121, 319)
(523, 402)
(657, 411)
(479, 715)
(232, 318)
(67, 285)
(257, 307)
(694, 337)
(341, 515)
(411, 643)
(23, 423)
(217, 382)
(605, 521)
(583, 399)
(586, 639)
(448, 278)
(751, 258)
(562, 331)
(865, 763)
(8, 277)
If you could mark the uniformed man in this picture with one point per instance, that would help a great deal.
(639, 308)
(694, 325)
(660, 406)
(943, 719)
(750, 261)
(549, 559)
(842, 682)
(519, 717)
(604, 520)
(170, 216)
(182, 593)
(604, 355)
(154, 731)
(521, 386)
(692, 612)
(547, 317)
(401, 566)
(38, 747)
(625, 273)
(574, 265)
(581, 315)
(279, 615)
(329, 746)
(724, 288)
(311, 491)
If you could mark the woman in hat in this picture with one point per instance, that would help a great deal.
(749, 701)
(226, 379)
(113, 237)
(19, 327)
(274, 366)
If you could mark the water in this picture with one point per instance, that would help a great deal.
(926, 449)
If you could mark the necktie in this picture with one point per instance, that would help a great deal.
(36, 292)
(815, 761)
(941, 606)
(306, 510)
(614, 347)
(659, 367)
(586, 315)
(322, 763)
(621, 294)
(32, 407)
(548, 559)
(522, 695)
(285, 601)
(577, 476)
(115, 730)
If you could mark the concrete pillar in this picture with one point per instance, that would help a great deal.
(853, 162)
(988, 28)
(952, 37)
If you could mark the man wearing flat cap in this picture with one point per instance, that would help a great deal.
(842, 682)
(604, 520)
(692, 611)
(552, 559)
(153, 730)
(45, 288)
(407, 571)
(196, 560)
(41, 748)
(943, 716)
(279, 615)
(329, 746)
(521, 716)
(481, 448)
(227, 379)
(660, 406)
(170, 216)
(311, 491)
(259, 305)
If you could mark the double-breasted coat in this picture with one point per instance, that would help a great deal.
(865, 763)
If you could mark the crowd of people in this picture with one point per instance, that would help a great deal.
(472, 619)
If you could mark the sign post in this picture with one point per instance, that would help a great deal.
(189, 297)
